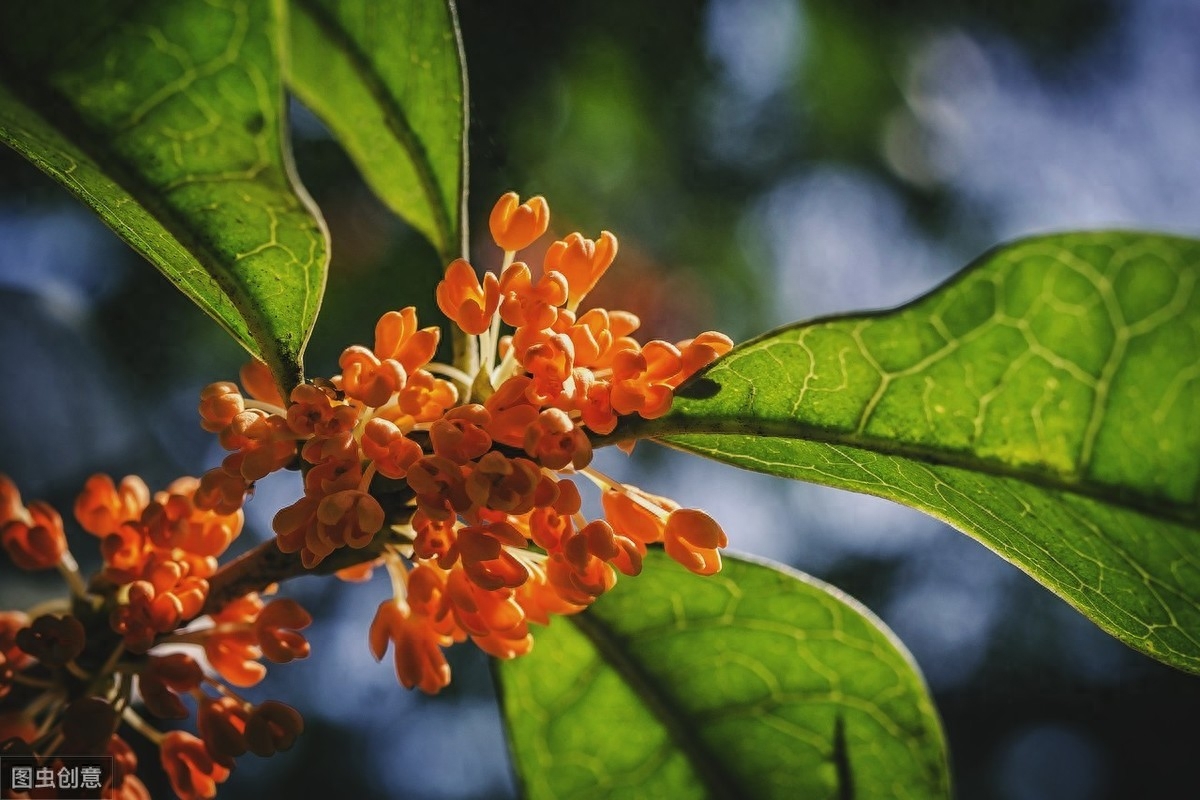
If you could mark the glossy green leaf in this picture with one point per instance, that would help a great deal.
(756, 682)
(166, 119)
(1045, 401)
(386, 77)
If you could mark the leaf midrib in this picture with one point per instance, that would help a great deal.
(719, 783)
(394, 117)
(667, 427)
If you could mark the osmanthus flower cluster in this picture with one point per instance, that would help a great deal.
(71, 669)
(459, 479)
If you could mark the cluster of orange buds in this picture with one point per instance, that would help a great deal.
(480, 524)
(71, 670)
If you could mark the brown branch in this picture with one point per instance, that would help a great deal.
(255, 570)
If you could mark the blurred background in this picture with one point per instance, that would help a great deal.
(761, 161)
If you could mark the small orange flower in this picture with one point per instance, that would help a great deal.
(102, 507)
(524, 303)
(556, 442)
(423, 399)
(417, 647)
(164, 678)
(640, 379)
(151, 610)
(264, 441)
(582, 261)
(398, 338)
(219, 404)
(313, 411)
(350, 517)
(222, 490)
(516, 225)
(38, 542)
(639, 515)
(485, 559)
(503, 484)
(699, 352)
(435, 540)
(387, 446)
(493, 619)
(232, 646)
(367, 378)
(550, 364)
(256, 377)
(277, 629)
(222, 725)
(461, 435)
(692, 538)
(511, 411)
(272, 727)
(467, 303)
(52, 640)
(193, 773)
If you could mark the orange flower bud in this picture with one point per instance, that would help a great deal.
(516, 225)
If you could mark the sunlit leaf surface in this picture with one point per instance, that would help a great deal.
(387, 78)
(757, 682)
(166, 120)
(1045, 401)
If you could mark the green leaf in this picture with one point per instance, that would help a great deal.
(1044, 401)
(387, 77)
(756, 682)
(166, 119)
